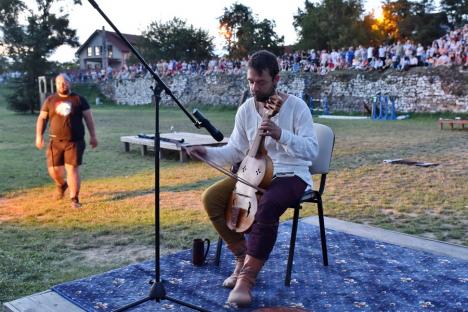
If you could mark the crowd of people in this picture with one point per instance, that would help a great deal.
(450, 49)
(164, 68)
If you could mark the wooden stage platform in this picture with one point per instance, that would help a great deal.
(170, 141)
(47, 301)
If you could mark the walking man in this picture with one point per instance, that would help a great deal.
(65, 111)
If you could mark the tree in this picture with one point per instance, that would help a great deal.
(370, 31)
(330, 24)
(175, 40)
(457, 11)
(404, 19)
(423, 28)
(9, 10)
(266, 38)
(244, 34)
(59, 67)
(30, 41)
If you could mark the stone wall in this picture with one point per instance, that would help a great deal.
(417, 90)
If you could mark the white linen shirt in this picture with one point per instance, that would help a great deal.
(293, 153)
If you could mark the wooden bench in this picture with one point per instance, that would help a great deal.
(452, 122)
(189, 139)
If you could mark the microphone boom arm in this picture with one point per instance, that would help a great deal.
(150, 70)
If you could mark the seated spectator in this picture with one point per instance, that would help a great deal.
(443, 60)
(413, 61)
(382, 52)
(323, 58)
(430, 62)
(370, 53)
(404, 63)
(395, 61)
(349, 56)
(388, 63)
(296, 67)
(378, 63)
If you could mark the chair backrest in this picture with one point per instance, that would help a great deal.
(326, 142)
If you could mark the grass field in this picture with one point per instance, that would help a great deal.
(44, 242)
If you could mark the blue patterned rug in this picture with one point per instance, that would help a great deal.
(363, 275)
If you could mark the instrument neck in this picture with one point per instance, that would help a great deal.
(258, 145)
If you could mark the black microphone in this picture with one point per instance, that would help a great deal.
(215, 133)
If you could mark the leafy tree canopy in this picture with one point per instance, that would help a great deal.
(29, 41)
(175, 39)
(244, 33)
(330, 24)
(456, 10)
(333, 24)
(417, 21)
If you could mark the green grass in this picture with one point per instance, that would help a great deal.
(22, 165)
(45, 242)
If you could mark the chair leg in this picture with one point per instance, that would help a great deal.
(322, 232)
(292, 245)
(218, 251)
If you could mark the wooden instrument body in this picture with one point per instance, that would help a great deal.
(254, 175)
(243, 205)
(257, 170)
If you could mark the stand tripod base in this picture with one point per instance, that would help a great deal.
(158, 293)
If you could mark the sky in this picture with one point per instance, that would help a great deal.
(133, 17)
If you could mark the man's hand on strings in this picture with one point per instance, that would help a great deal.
(270, 129)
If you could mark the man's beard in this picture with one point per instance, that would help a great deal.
(64, 92)
(263, 97)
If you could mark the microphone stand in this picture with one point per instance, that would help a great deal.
(157, 291)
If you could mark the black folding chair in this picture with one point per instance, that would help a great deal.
(320, 166)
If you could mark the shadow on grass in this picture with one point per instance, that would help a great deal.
(202, 184)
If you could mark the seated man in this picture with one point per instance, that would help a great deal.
(291, 143)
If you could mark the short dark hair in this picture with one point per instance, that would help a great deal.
(263, 59)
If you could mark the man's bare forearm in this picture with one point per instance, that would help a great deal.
(90, 124)
(40, 127)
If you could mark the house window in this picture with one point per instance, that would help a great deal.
(90, 51)
(98, 50)
(109, 51)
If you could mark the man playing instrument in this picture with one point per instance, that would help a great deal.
(291, 143)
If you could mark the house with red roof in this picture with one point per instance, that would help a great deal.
(105, 48)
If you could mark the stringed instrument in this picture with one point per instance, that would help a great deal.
(257, 169)
(254, 175)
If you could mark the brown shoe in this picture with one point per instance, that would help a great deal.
(75, 203)
(60, 191)
(239, 250)
(241, 294)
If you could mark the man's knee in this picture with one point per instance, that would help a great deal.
(211, 202)
(56, 170)
(206, 198)
(216, 197)
(269, 211)
(73, 176)
(72, 169)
